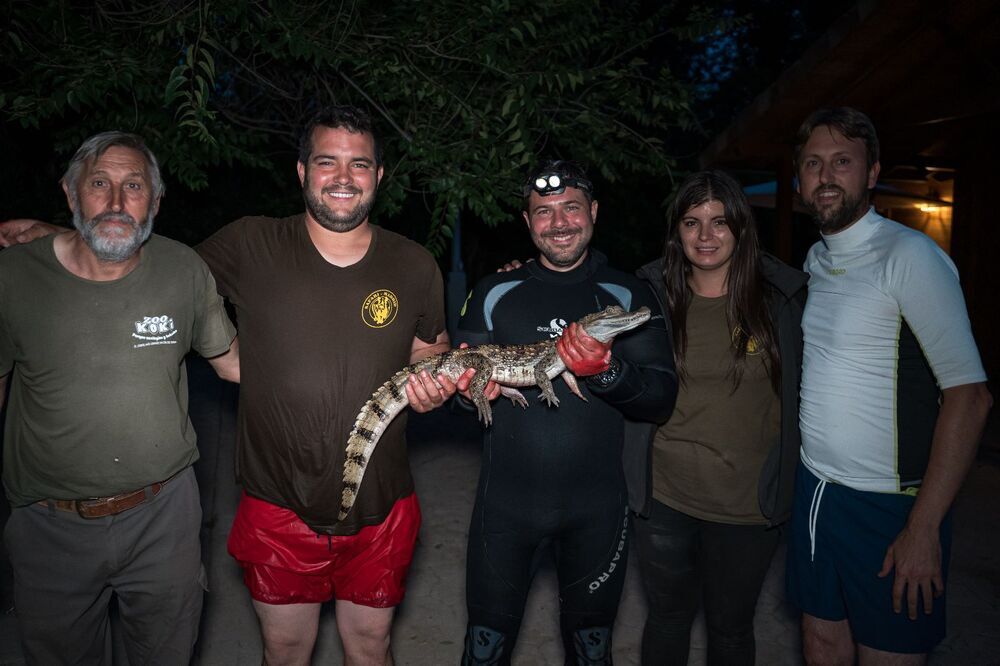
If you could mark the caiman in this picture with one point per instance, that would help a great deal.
(509, 366)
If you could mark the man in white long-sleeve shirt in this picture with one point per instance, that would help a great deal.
(893, 402)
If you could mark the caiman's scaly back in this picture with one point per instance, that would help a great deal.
(509, 366)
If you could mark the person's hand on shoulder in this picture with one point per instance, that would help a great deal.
(512, 265)
(24, 230)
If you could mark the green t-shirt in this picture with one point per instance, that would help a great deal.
(707, 458)
(98, 400)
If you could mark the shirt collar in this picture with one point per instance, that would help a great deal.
(854, 235)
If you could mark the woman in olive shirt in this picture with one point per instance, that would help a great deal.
(719, 476)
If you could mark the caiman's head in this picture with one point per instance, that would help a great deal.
(613, 320)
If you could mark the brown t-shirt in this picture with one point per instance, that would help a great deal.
(707, 458)
(315, 341)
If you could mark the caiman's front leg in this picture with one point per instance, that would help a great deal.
(548, 394)
(545, 384)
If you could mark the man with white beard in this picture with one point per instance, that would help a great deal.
(94, 327)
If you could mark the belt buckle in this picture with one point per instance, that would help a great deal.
(83, 505)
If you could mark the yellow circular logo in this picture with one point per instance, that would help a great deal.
(753, 347)
(380, 308)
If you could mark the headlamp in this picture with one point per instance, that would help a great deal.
(553, 183)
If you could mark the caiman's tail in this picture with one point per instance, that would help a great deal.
(387, 401)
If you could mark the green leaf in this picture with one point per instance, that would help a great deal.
(207, 68)
(172, 89)
(508, 102)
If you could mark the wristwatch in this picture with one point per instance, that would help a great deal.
(609, 376)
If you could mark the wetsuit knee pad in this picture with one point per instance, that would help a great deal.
(485, 647)
(592, 646)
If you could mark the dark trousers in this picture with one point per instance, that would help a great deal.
(67, 567)
(506, 545)
(686, 562)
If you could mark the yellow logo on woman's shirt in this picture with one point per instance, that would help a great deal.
(753, 346)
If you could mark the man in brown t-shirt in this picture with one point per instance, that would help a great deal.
(328, 307)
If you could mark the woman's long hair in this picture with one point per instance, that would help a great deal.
(746, 310)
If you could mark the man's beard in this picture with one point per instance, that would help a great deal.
(116, 248)
(563, 257)
(330, 220)
(830, 220)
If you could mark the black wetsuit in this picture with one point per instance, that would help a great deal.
(551, 478)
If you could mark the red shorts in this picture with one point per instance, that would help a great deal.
(285, 562)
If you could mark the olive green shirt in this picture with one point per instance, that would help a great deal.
(99, 397)
(707, 458)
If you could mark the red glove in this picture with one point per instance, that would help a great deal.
(582, 354)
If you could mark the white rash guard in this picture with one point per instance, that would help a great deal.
(885, 329)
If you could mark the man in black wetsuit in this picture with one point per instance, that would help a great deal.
(551, 478)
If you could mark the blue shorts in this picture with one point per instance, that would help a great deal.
(835, 577)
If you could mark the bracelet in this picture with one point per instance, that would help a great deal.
(609, 376)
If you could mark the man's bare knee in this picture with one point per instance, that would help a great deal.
(364, 633)
(282, 648)
(366, 646)
(288, 632)
(826, 643)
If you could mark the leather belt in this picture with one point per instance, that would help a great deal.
(98, 507)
